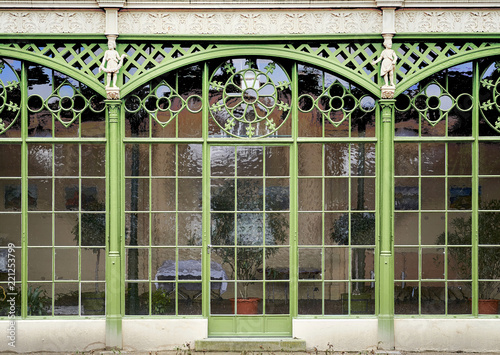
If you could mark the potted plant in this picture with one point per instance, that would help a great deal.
(246, 260)
(488, 260)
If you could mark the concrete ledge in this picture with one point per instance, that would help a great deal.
(55, 335)
(250, 344)
(464, 335)
(162, 334)
(337, 334)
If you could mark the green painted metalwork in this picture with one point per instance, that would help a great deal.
(418, 60)
(79, 60)
(249, 96)
(114, 227)
(431, 113)
(385, 206)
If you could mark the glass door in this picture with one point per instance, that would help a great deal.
(249, 243)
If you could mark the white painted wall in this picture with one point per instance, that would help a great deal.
(162, 334)
(69, 335)
(467, 335)
(342, 334)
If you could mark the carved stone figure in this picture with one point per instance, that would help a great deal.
(389, 59)
(111, 63)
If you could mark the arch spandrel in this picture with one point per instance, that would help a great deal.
(79, 61)
(350, 61)
(416, 60)
(420, 60)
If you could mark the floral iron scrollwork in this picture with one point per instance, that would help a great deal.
(252, 101)
(490, 96)
(9, 97)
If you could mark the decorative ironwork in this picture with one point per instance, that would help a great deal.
(9, 97)
(250, 96)
(84, 57)
(163, 103)
(413, 57)
(490, 96)
(66, 103)
(336, 103)
(433, 102)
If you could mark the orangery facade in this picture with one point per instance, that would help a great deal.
(173, 171)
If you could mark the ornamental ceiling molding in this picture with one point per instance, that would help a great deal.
(250, 22)
(468, 21)
(52, 22)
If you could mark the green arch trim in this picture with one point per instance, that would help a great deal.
(74, 73)
(445, 64)
(252, 50)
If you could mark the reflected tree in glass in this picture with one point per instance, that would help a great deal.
(250, 258)
(489, 260)
(93, 232)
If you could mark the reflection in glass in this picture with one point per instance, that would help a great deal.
(406, 296)
(40, 265)
(336, 194)
(336, 260)
(459, 295)
(310, 260)
(432, 263)
(309, 226)
(137, 298)
(93, 265)
(250, 161)
(433, 298)
(433, 225)
(310, 163)
(277, 298)
(190, 229)
(406, 228)
(406, 194)
(310, 195)
(310, 298)
(66, 264)
(66, 299)
(334, 291)
(93, 300)
(406, 264)
(189, 194)
(405, 159)
(433, 193)
(459, 263)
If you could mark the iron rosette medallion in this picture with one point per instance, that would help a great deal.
(250, 98)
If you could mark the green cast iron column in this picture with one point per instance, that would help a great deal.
(386, 212)
(113, 260)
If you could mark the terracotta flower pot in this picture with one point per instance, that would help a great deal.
(246, 305)
(487, 306)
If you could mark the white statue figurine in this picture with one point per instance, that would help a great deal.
(113, 63)
(389, 59)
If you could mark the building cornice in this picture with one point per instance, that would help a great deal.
(245, 4)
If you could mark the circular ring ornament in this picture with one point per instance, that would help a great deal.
(367, 103)
(96, 104)
(306, 103)
(464, 102)
(133, 104)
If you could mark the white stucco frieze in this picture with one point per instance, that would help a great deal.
(439, 20)
(52, 22)
(250, 22)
